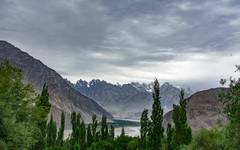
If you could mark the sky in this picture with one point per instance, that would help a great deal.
(191, 43)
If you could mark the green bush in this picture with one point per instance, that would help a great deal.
(208, 140)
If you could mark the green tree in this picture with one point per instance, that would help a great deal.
(231, 100)
(183, 133)
(19, 115)
(170, 135)
(104, 128)
(144, 121)
(44, 108)
(89, 136)
(156, 129)
(82, 136)
(122, 132)
(74, 135)
(94, 126)
(61, 130)
(111, 132)
(78, 137)
(51, 133)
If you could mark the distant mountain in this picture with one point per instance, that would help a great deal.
(63, 96)
(127, 101)
(204, 110)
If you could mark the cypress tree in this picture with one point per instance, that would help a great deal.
(51, 133)
(74, 135)
(44, 105)
(82, 136)
(112, 134)
(44, 97)
(78, 138)
(183, 133)
(144, 129)
(104, 127)
(89, 136)
(122, 132)
(94, 126)
(61, 130)
(170, 134)
(156, 133)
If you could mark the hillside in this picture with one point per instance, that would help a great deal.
(62, 95)
(204, 110)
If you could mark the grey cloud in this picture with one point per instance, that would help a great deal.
(105, 36)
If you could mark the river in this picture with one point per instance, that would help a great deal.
(131, 127)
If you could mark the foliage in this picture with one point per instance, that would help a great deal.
(43, 110)
(102, 145)
(111, 132)
(94, 127)
(144, 121)
(183, 134)
(121, 142)
(51, 133)
(104, 128)
(89, 136)
(19, 114)
(122, 132)
(170, 135)
(61, 130)
(231, 100)
(155, 129)
(208, 140)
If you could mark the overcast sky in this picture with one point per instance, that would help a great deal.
(186, 42)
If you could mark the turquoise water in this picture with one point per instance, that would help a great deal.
(131, 127)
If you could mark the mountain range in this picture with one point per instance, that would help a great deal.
(127, 101)
(63, 97)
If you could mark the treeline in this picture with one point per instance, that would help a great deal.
(24, 123)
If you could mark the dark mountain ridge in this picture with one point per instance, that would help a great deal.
(62, 95)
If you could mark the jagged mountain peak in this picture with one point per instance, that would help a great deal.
(127, 100)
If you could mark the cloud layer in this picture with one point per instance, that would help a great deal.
(192, 43)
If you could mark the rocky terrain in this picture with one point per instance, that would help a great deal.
(204, 110)
(127, 101)
(62, 95)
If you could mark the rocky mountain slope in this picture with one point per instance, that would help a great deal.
(204, 110)
(127, 101)
(62, 95)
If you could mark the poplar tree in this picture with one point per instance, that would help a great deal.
(44, 107)
(104, 128)
(122, 132)
(183, 133)
(89, 136)
(61, 130)
(170, 135)
(82, 132)
(51, 133)
(156, 133)
(112, 133)
(144, 121)
(74, 135)
(94, 126)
